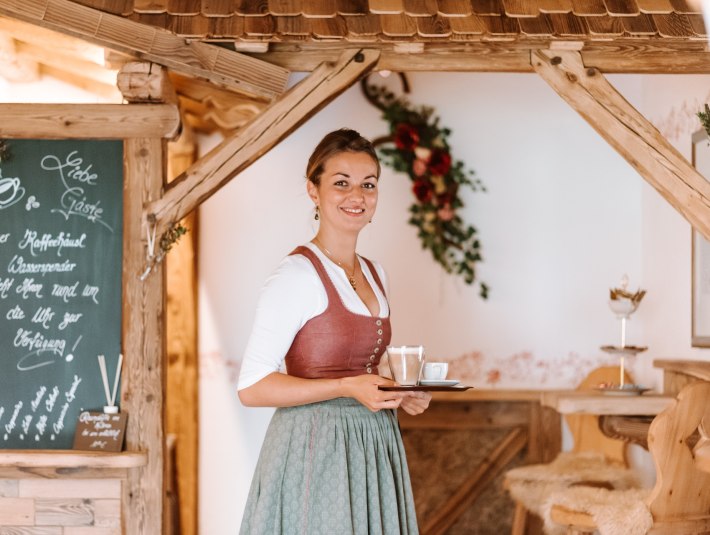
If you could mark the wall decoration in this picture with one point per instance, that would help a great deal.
(418, 146)
(524, 369)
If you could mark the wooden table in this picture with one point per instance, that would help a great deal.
(593, 402)
(521, 427)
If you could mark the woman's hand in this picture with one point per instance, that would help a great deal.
(415, 402)
(364, 389)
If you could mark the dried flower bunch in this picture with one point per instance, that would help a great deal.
(421, 149)
(616, 294)
(171, 237)
(5, 154)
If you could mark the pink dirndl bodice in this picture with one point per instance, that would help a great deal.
(337, 342)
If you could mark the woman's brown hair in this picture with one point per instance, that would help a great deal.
(343, 140)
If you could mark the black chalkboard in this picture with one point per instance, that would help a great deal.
(61, 222)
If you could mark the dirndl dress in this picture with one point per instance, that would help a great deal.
(332, 467)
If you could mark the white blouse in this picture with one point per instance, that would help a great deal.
(292, 295)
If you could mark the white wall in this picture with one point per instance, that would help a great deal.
(671, 102)
(563, 219)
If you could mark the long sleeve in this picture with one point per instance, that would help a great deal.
(289, 298)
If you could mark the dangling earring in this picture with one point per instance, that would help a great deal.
(317, 216)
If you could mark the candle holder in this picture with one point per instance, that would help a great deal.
(623, 304)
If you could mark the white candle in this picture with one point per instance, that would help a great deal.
(623, 332)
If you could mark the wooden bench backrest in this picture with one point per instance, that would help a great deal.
(681, 489)
(585, 427)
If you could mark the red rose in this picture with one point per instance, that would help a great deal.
(406, 136)
(422, 190)
(440, 162)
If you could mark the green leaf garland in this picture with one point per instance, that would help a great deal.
(421, 150)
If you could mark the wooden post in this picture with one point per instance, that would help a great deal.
(182, 399)
(143, 381)
(544, 434)
(629, 132)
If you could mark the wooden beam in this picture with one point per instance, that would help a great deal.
(23, 62)
(50, 40)
(143, 380)
(223, 67)
(142, 81)
(447, 514)
(66, 62)
(629, 132)
(612, 56)
(13, 66)
(109, 92)
(240, 150)
(71, 459)
(79, 121)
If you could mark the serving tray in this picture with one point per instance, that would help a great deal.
(425, 388)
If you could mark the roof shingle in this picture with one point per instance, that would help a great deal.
(420, 21)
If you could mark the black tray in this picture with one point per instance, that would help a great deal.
(425, 388)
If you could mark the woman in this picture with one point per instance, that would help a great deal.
(332, 461)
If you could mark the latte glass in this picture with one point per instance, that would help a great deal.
(406, 364)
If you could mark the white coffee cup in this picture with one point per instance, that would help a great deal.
(435, 371)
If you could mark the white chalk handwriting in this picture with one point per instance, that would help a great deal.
(38, 398)
(74, 201)
(37, 245)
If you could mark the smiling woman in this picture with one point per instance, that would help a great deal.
(333, 459)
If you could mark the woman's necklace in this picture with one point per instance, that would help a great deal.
(351, 276)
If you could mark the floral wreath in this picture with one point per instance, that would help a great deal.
(421, 150)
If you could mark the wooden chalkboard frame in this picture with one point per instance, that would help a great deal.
(144, 129)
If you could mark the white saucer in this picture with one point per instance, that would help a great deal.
(438, 382)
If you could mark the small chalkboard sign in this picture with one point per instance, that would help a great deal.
(100, 431)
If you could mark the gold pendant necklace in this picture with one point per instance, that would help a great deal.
(351, 277)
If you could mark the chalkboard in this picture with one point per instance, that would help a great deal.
(61, 226)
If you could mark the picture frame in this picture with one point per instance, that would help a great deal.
(700, 255)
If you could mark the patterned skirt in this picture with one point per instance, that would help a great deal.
(331, 468)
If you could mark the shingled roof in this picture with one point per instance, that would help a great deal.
(386, 21)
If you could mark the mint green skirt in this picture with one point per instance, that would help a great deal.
(331, 468)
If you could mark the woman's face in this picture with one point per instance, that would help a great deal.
(347, 195)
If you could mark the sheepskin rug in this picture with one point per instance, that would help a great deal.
(615, 512)
(531, 485)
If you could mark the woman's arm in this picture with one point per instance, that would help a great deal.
(280, 390)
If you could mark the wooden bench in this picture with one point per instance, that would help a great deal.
(679, 503)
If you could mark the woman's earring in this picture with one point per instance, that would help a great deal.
(317, 216)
